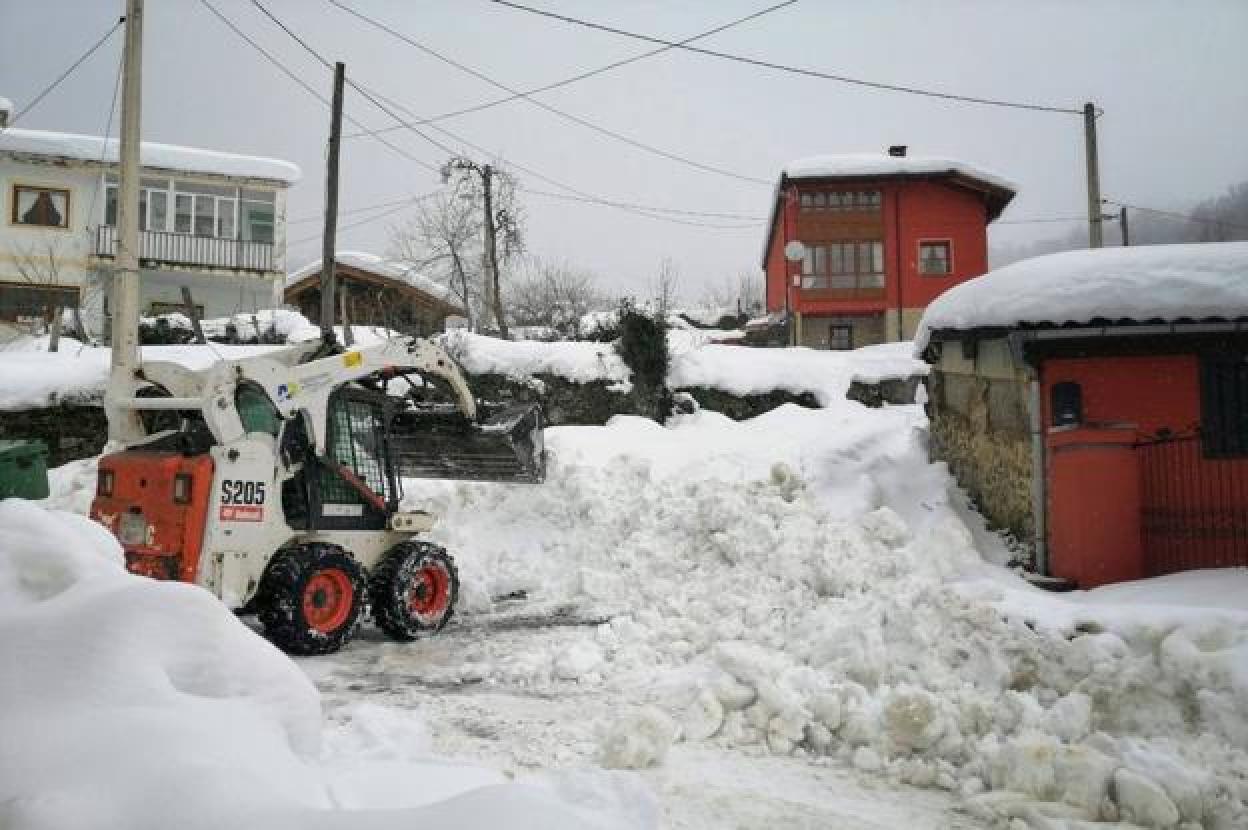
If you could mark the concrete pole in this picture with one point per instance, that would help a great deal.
(328, 241)
(1095, 222)
(1122, 226)
(123, 422)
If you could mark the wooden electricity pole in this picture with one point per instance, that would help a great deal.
(1095, 222)
(328, 286)
(124, 335)
(493, 294)
(1122, 225)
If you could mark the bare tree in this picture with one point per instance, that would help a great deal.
(443, 242)
(501, 223)
(666, 286)
(550, 294)
(742, 291)
(42, 267)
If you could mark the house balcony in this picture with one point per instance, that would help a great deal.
(187, 250)
(862, 291)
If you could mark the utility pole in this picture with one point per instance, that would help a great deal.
(493, 295)
(1122, 225)
(124, 362)
(1095, 223)
(328, 286)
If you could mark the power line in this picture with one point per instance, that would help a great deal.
(48, 89)
(362, 209)
(408, 203)
(583, 75)
(108, 128)
(376, 98)
(752, 220)
(1041, 220)
(350, 82)
(795, 70)
(1186, 218)
(306, 86)
(576, 119)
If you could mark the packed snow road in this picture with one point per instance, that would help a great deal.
(389, 691)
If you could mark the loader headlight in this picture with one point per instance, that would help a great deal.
(104, 483)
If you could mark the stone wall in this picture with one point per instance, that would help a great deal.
(978, 409)
(69, 432)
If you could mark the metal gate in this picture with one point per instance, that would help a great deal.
(1194, 509)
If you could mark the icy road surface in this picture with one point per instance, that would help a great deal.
(401, 689)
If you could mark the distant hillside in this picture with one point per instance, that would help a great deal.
(1219, 219)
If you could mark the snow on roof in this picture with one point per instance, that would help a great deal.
(153, 155)
(878, 164)
(1153, 282)
(374, 264)
(6, 104)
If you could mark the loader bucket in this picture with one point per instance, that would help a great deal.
(505, 447)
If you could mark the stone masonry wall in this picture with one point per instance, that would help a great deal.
(979, 427)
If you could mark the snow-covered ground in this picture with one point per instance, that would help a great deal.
(787, 621)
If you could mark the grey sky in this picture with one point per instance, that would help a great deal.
(1170, 75)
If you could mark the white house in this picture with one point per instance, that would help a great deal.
(210, 221)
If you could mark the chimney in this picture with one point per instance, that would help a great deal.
(897, 151)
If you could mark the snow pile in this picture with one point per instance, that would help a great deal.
(32, 377)
(131, 703)
(849, 165)
(580, 362)
(741, 370)
(277, 324)
(1152, 282)
(802, 583)
(374, 264)
(15, 141)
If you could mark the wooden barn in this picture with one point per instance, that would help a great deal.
(375, 292)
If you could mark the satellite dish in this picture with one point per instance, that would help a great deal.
(795, 251)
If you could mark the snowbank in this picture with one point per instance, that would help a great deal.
(879, 164)
(130, 703)
(807, 583)
(152, 155)
(1151, 282)
(32, 377)
(580, 362)
(741, 370)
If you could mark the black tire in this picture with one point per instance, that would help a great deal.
(413, 590)
(311, 598)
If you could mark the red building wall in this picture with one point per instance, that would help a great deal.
(911, 210)
(1152, 392)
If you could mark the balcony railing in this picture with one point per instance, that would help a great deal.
(843, 286)
(162, 247)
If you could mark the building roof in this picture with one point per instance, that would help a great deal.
(390, 269)
(1162, 283)
(998, 191)
(97, 149)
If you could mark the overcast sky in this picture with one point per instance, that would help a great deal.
(1170, 76)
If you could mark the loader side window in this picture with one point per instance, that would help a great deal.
(255, 410)
(356, 440)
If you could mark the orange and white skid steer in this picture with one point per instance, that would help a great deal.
(275, 482)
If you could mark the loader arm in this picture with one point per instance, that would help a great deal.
(301, 386)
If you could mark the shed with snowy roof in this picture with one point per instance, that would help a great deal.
(858, 245)
(1095, 404)
(378, 291)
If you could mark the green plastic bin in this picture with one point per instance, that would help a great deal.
(23, 469)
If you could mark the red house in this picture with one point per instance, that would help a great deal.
(1095, 404)
(881, 237)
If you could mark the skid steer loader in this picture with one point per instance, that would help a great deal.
(275, 482)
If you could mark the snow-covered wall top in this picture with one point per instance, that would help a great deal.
(381, 266)
(163, 156)
(1152, 282)
(879, 164)
(581, 362)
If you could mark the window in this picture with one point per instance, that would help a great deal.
(198, 209)
(840, 200)
(840, 337)
(26, 303)
(1224, 405)
(844, 265)
(42, 206)
(153, 204)
(934, 257)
